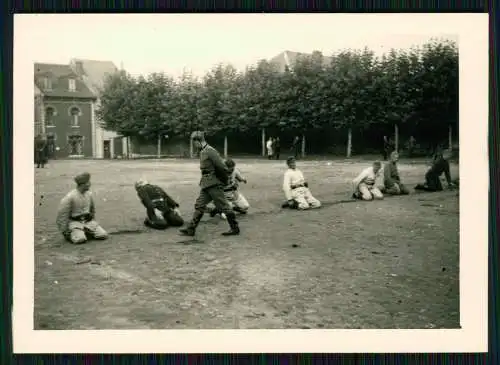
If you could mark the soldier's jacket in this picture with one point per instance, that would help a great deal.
(439, 166)
(150, 195)
(40, 144)
(75, 206)
(391, 174)
(213, 169)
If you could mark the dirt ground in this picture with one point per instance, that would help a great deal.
(381, 264)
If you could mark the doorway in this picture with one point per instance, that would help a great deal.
(107, 149)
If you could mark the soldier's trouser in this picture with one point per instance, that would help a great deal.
(170, 217)
(432, 183)
(304, 198)
(237, 200)
(396, 189)
(216, 195)
(369, 192)
(79, 232)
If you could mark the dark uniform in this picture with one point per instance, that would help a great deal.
(154, 197)
(40, 149)
(214, 176)
(432, 181)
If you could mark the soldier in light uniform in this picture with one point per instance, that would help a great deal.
(76, 214)
(392, 180)
(231, 191)
(214, 176)
(364, 185)
(162, 211)
(296, 189)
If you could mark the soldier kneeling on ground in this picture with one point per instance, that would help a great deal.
(296, 189)
(439, 166)
(162, 211)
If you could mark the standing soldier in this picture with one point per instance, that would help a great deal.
(296, 147)
(76, 214)
(214, 176)
(40, 149)
(269, 147)
(277, 147)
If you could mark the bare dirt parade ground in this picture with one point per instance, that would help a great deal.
(381, 264)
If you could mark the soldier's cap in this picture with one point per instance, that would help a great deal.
(230, 162)
(140, 182)
(82, 178)
(377, 163)
(197, 136)
(290, 159)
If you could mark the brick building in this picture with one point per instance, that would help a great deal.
(106, 144)
(68, 111)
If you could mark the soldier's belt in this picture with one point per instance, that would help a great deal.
(158, 200)
(297, 186)
(81, 218)
(229, 189)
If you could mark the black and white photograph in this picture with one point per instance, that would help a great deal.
(303, 173)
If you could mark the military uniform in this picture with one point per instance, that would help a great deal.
(76, 215)
(214, 176)
(40, 151)
(154, 197)
(392, 181)
(432, 181)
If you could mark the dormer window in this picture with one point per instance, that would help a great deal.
(72, 84)
(47, 83)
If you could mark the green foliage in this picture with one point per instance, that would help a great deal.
(416, 89)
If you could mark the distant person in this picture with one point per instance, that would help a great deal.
(388, 147)
(295, 149)
(269, 147)
(76, 214)
(411, 146)
(40, 151)
(364, 185)
(392, 180)
(214, 176)
(439, 166)
(162, 211)
(277, 148)
(296, 189)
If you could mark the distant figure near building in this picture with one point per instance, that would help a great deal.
(76, 214)
(40, 151)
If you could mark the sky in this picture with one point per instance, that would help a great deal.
(170, 43)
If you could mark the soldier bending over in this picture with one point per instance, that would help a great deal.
(439, 166)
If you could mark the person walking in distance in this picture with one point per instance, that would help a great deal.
(214, 176)
(277, 147)
(296, 147)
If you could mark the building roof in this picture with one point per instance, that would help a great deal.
(288, 58)
(59, 74)
(94, 72)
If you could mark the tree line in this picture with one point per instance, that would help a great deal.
(349, 99)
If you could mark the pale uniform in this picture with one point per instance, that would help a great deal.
(235, 197)
(269, 146)
(365, 184)
(75, 205)
(294, 189)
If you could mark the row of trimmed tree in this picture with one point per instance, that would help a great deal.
(351, 98)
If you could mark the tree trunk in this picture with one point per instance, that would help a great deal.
(450, 137)
(303, 145)
(263, 142)
(349, 143)
(128, 147)
(158, 150)
(191, 152)
(225, 146)
(396, 138)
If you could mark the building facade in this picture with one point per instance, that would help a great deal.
(107, 144)
(67, 111)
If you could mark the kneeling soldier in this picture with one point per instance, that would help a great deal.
(364, 185)
(439, 166)
(296, 189)
(155, 198)
(76, 214)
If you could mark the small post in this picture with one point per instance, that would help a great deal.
(159, 146)
(263, 141)
(303, 146)
(450, 137)
(225, 146)
(396, 138)
(349, 143)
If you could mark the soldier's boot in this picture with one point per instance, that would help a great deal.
(190, 230)
(213, 212)
(231, 219)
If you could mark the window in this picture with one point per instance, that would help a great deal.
(72, 84)
(75, 144)
(47, 83)
(50, 113)
(74, 112)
